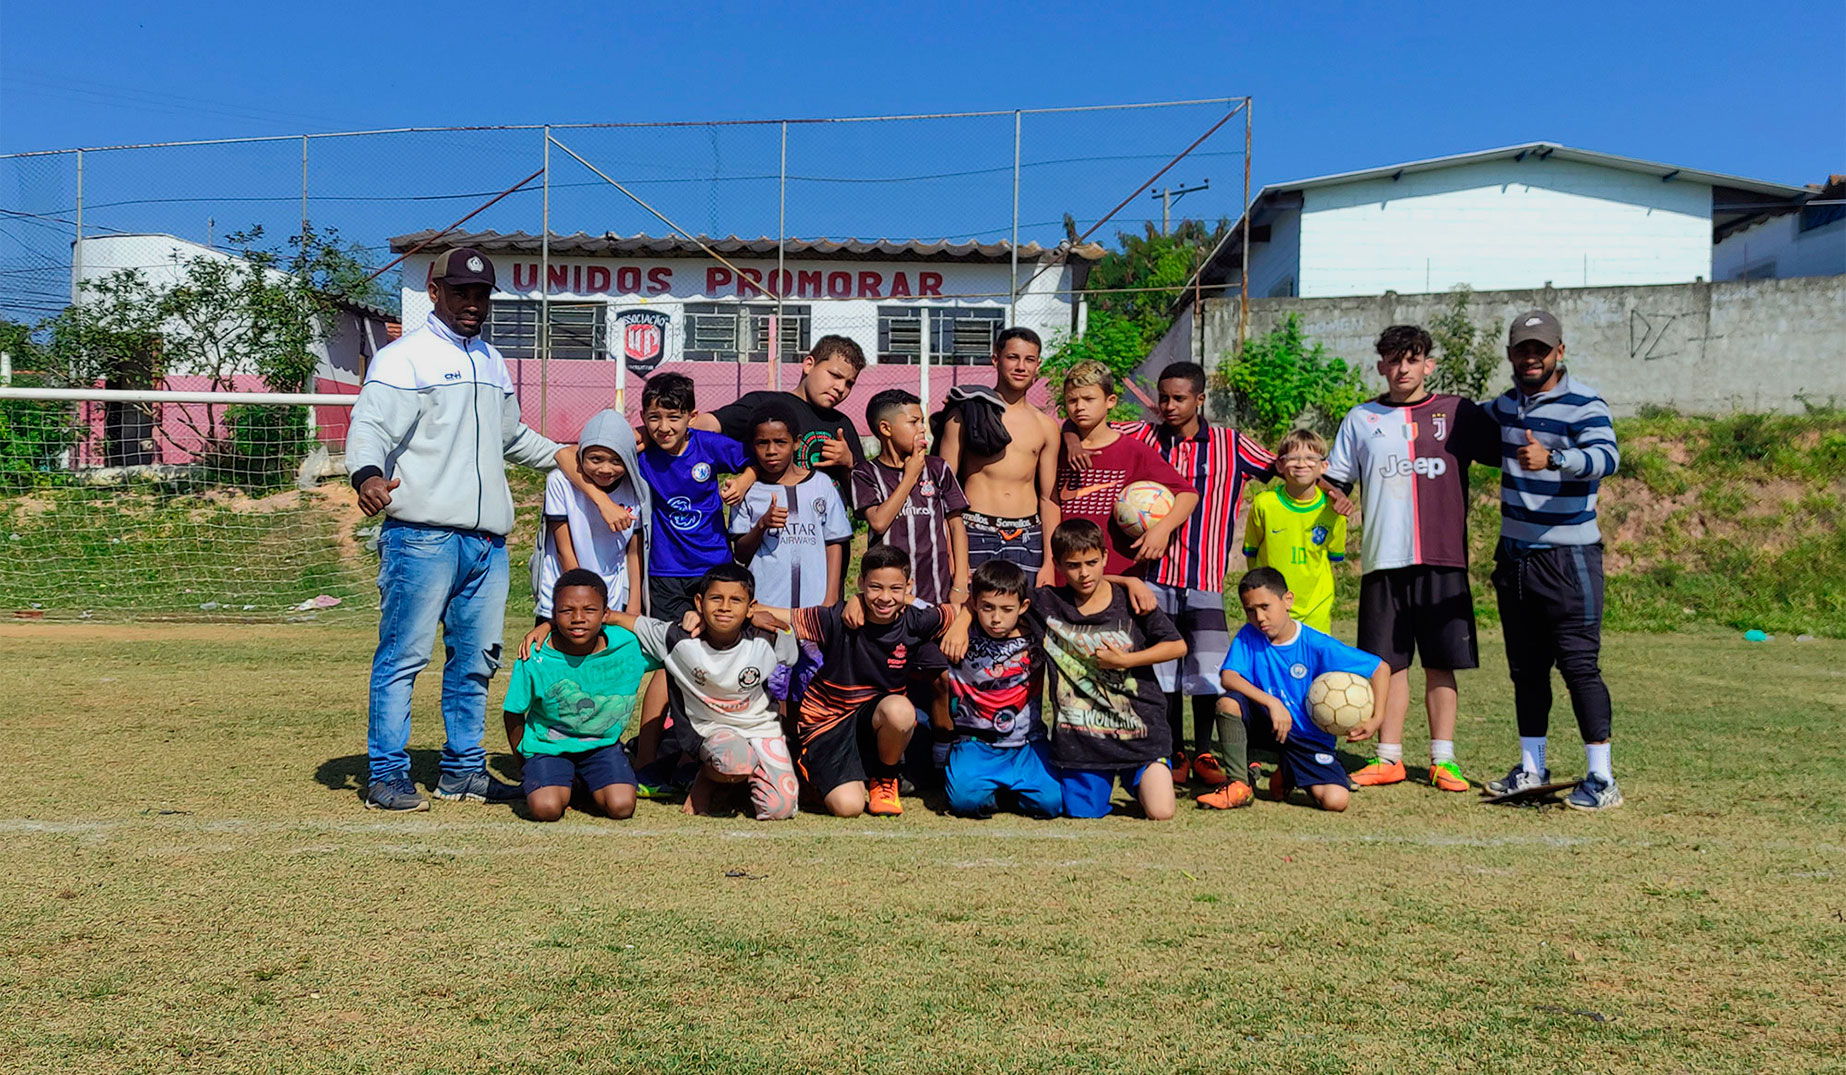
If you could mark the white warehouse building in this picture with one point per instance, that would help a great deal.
(1525, 216)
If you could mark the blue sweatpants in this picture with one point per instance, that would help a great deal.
(977, 770)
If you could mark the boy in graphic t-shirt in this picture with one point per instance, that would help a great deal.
(1108, 713)
(791, 529)
(719, 694)
(1408, 452)
(1115, 461)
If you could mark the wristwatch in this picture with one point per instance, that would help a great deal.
(1555, 461)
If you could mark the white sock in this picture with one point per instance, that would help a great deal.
(1532, 754)
(1390, 752)
(1441, 750)
(1598, 755)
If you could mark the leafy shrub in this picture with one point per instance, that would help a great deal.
(261, 446)
(1279, 380)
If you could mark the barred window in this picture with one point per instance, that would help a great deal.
(958, 335)
(577, 328)
(722, 331)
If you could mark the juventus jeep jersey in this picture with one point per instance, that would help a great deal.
(1410, 462)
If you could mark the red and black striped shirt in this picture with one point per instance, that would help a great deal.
(1217, 461)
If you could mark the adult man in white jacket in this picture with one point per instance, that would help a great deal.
(434, 425)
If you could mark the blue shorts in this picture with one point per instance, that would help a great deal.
(1087, 791)
(1303, 764)
(977, 770)
(592, 768)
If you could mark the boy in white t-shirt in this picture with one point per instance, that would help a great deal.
(792, 529)
(718, 689)
(574, 533)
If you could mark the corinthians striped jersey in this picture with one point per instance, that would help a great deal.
(1217, 461)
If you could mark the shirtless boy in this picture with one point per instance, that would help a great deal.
(1011, 513)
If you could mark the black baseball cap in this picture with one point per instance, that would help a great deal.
(463, 265)
(1535, 325)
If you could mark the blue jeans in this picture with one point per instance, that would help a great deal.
(428, 576)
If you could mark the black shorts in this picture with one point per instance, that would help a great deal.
(1422, 610)
(845, 752)
(670, 599)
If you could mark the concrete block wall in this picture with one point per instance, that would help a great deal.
(1703, 348)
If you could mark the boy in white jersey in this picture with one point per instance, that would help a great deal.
(1408, 452)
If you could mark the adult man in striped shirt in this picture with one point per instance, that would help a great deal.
(1557, 444)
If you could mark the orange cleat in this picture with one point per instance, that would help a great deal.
(1182, 768)
(1231, 796)
(1447, 776)
(1378, 772)
(882, 800)
(1279, 785)
(1207, 770)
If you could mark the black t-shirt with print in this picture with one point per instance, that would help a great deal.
(858, 666)
(1102, 718)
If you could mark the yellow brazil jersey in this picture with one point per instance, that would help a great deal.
(1303, 541)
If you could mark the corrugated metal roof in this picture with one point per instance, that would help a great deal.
(609, 244)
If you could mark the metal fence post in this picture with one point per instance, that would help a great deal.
(541, 341)
(304, 188)
(775, 330)
(1012, 299)
(1243, 277)
(922, 357)
(77, 245)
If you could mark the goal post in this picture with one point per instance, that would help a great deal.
(123, 504)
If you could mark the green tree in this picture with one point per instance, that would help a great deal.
(1279, 380)
(1468, 356)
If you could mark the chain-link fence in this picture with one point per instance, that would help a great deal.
(723, 250)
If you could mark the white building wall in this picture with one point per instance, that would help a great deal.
(1778, 249)
(1498, 225)
(1275, 266)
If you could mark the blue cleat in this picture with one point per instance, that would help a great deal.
(1595, 793)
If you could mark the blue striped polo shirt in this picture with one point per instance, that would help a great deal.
(1540, 508)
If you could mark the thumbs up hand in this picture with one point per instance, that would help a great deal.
(835, 451)
(1533, 455)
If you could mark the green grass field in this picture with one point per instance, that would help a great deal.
(192, 886)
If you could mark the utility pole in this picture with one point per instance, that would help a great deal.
(1168, 197)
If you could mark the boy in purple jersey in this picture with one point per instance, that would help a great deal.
(1408, 452)
(911, 499)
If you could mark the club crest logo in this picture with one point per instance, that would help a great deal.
(644, 338)
(1324, 758)
(698, 676)
(926, 488)
(820, 510)
(749, 677)
(701, 472)
(475, 264)
(1319, 535)
(1440, 420)
(1298, 670)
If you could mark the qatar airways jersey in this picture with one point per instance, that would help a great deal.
(1410, 462)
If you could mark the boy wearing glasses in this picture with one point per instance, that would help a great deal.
(1296, 530)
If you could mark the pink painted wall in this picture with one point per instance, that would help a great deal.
(579, 388)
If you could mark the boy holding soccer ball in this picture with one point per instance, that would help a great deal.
(1115, 461)
(1274, 660)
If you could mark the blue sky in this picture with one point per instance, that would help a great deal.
(1757, 92)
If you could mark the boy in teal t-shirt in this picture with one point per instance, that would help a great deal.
(569, 702)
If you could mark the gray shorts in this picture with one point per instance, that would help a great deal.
(1199, 615)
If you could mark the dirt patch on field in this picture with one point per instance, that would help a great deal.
(65, 631)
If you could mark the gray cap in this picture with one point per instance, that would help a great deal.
(1535, 325)
(605, 429)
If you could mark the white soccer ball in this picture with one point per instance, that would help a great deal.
(1141, 505)
(1338, 702)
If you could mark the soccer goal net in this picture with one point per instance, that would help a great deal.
(202, 505)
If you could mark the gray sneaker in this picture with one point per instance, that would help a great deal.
(395, 793)
(1518, 779)
(1595, 793)
(476, 787)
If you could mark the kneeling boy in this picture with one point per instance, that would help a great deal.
(718, 693)
(997, 736)
(1273, 661)
(569, 702)
(1108, 711)
(855, 720)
